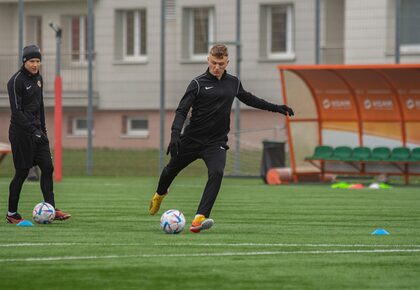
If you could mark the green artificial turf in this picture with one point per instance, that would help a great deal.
(265, 237)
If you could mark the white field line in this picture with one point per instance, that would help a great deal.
(212, 245)
(38, 245)
(222, 254)
(284, 245)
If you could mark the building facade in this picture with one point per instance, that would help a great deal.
(126, 77)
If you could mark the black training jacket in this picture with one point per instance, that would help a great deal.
(211, 102)
(26, 103)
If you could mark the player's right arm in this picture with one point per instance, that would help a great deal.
(185, 105)
(180, 116)
(16, 88)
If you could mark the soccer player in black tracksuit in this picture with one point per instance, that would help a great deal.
(28, 134)
(210, 96)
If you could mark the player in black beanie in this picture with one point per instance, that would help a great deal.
(28, 133)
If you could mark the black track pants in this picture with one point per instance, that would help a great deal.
(42, 158)
(214, 157)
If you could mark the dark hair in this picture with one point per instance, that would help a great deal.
(29, 52)
(219, 50)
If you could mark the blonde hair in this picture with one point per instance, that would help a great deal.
(219, 51)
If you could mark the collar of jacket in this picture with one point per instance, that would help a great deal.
(212, 76)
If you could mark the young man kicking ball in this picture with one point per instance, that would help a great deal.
(210, 96)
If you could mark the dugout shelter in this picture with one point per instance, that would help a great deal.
(347, 107)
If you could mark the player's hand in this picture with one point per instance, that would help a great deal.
(174, 144)
(40, 137)
(285, 110)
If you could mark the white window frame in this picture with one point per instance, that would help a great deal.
(82, 39)
(289, 54)
(132, 132)
(410, 48)
(137, 57)
(77, 131)
(200, 57)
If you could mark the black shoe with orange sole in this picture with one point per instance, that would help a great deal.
(61, 215)
(14, 219)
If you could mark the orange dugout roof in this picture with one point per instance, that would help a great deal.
(363, 95)
(364, 92)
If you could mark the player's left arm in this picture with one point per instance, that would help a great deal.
(44, 135)
(255, 102)
(42, 110)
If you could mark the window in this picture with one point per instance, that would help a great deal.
(78, 38)
(77, 126)
(410, 27)
(198, 25)
(131, 35)
(276, 30)
(135, 126)
(33, 30)
(134, 32)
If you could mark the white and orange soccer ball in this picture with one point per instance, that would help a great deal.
(172, 221)
(43, 213)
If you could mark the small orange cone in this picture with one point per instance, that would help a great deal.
(273, 177)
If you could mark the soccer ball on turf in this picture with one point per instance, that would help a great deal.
(43, 213)
(172, 221)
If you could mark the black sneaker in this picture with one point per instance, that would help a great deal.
(14, 219)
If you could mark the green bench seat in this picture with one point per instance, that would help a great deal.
(380, 154)
(415, 155)
(360, 153)
(321, 152)
(400, 154)
(341, 153)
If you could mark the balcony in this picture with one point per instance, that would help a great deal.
(74, 73)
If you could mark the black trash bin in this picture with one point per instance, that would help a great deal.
(273, 156)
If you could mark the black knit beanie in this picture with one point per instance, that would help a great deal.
(30, 51)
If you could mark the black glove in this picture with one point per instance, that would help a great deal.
(40, 137)
(285, 110)
(174, 144)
